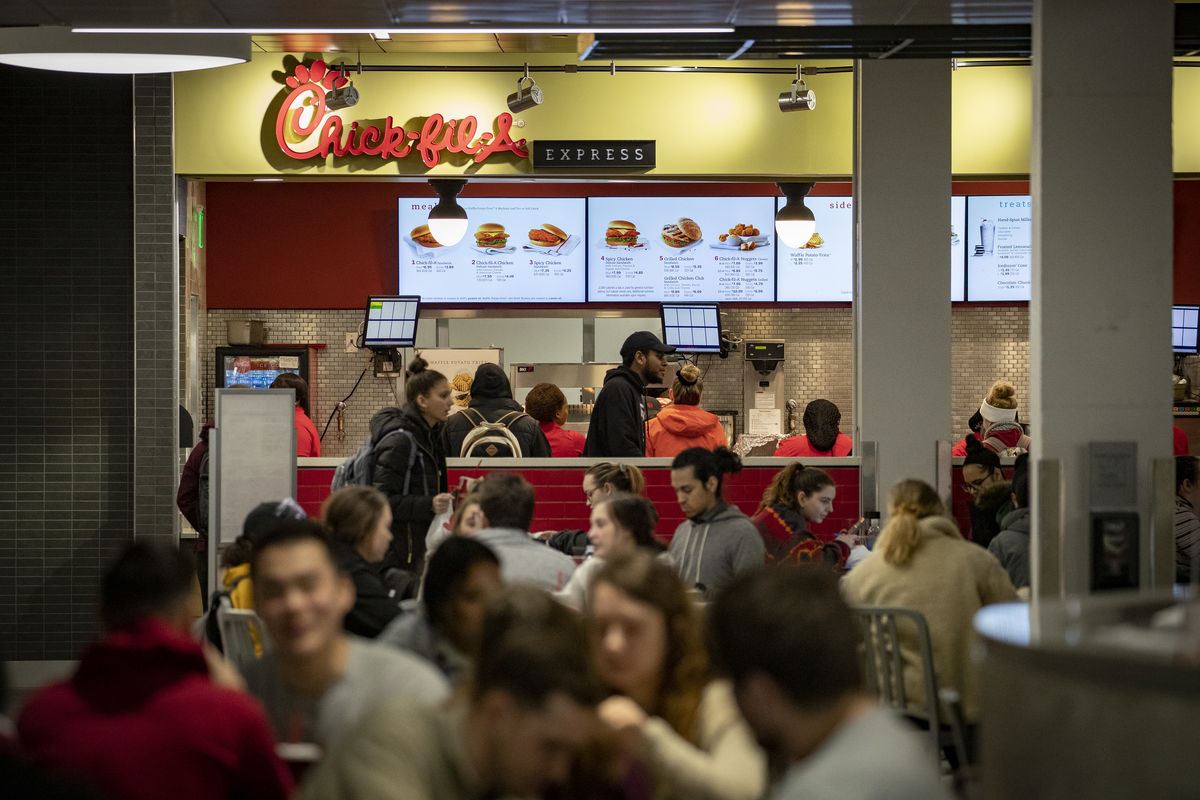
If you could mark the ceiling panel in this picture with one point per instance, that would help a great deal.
(26, 12)
(129, 13)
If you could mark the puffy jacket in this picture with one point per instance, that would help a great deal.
(1011, 546)
(678, 427)
(412, 511)
(491, 397)
(618, 424)
(192, 497)
(375, 605)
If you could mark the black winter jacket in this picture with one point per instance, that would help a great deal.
(618, 424)
(375, 605)
(491, 396)
(411, 512)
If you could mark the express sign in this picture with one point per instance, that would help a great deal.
(305, 112)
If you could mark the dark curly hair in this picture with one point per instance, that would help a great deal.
(543, 402)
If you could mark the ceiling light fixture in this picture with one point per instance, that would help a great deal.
(447, 220)
(459, 29)
(525, 97)
(341, 96)
(57, 48)
(800, 98)
(795, 222)
(382, 36)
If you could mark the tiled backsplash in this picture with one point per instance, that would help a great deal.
(989, 342)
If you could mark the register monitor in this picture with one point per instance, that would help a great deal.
(391, 321)
(1185, 328)
(692, 327)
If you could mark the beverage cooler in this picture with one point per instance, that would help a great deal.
(258, 365)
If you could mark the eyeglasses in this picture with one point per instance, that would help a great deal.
(973, 487)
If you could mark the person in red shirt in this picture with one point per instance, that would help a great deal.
(548, 405)
(308, 442)
(684, 423)
(143, 716)
(1179, 441)
(821, 438)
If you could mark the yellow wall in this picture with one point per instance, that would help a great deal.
(724, 126)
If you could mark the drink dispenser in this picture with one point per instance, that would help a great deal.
(764, 403)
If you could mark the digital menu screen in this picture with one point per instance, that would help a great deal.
(516, 250)
(655, 249)
(821, 269)
(958, 269)
(999, 247)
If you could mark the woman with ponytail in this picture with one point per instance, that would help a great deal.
(797, 496)
(684, 423)
(410, 464)
(922, 562)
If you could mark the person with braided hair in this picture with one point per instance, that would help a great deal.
(821, 438)
(683, 423)
(922, 562)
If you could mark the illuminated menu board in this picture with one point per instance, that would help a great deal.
(958, 225)
(653, 249)
(999, 247)
(516, 250)
(821, 269)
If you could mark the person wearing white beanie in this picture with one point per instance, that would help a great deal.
(1001, 432)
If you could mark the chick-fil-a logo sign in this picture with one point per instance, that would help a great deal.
(304, 112)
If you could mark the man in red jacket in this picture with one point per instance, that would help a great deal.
(141, 717)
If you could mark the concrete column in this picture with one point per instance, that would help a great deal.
(902, 275)
(1102, 273)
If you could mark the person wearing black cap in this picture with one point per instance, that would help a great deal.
(618, 423)
(492, 401)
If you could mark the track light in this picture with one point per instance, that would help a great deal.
(795, 222)
(447, 220)
(800, 98)
(525, 97)
(343, 97)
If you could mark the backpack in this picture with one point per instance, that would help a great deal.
(1022, 446)
(212, 630)
(491, 439)
(360, 467)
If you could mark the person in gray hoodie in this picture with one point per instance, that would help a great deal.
(1011, 544)
(717, 541)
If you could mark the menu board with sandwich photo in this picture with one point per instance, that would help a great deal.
(822, 268)
(651, 249)
(999, 247)
(515, 250)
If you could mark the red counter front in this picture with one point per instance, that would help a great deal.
(560, 501)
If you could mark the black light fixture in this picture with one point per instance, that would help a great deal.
(344, 97)
(525, 97)
(447, 220)
(795, 222)
(800, 98)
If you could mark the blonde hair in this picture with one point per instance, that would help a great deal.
(909, 501)
(688, 386)
(1002, 395)
(622, 477)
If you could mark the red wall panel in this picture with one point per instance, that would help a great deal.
(1187, 241)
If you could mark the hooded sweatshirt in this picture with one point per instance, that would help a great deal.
(492, 398)
(618, 424)
(709, 550)
(141, 718)
(678, 427)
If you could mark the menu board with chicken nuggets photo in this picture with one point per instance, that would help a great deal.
(821, 268)
(515, 250)
(651, 249)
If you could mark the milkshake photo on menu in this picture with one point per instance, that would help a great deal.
(999, 247)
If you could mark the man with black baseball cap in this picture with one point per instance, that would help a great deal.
(618, 424)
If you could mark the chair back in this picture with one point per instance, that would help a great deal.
(883, 666)
(243, 635)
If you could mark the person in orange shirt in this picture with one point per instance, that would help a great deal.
(821, 438)
(684, 423)
(308, 443)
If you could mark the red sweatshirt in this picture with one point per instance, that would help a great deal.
(141, 719)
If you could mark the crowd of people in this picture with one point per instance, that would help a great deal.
(401, 658)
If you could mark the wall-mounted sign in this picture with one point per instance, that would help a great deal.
(548, 153)
(304, 112)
